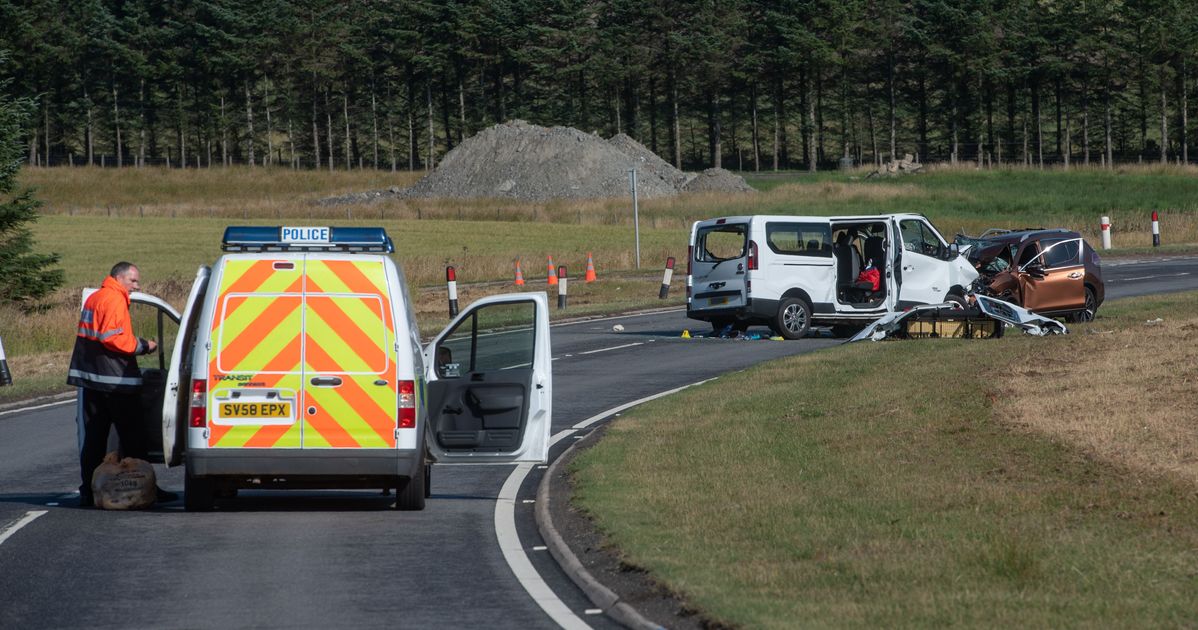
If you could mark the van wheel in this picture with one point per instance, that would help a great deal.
(410, 493)
(793, 318)
(428, 480)
(199, 493)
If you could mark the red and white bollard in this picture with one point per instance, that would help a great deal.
(1106, 232)
(451, 278)
(561, 287)
(665, 279)
(1156, 230)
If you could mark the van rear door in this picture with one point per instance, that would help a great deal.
(255, 365)
(490, 383)
(718, 265)
(349, 377)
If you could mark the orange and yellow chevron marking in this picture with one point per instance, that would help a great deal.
(258, 332)
(365, 412)
(351, 329)
(261, 334)
(348, 276)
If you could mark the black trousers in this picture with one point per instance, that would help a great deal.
(101, 411)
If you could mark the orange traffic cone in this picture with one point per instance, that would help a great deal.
(552, 273)
(519, 275)
(590, 277)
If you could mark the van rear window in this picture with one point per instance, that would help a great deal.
(721, 242)
(800, 239)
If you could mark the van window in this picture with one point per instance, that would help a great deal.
(721, 242)
(800, 239)
(494, 337)
(920, 239)
(259, 334)
(345, 334)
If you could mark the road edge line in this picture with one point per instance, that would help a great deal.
(603, 597)
(29, 517)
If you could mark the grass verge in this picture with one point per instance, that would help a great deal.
(908, 484)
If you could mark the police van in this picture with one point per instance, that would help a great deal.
(789, 272)
(298, 364)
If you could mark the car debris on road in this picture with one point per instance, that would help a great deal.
(984, 320)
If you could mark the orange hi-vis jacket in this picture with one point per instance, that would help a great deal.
(105, 347)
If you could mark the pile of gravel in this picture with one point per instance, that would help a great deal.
(526, 162)
(518, 160)
(718, 180)
(648, 162)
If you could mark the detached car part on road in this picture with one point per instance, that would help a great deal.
(1050, 272)
(789, 272)
(298, 364)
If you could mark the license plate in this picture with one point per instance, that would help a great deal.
(255, 410)
(716, 301)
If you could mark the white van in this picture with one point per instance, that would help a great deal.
(298, 364)
(788, 272)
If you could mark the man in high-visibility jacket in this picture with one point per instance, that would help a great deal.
(104, 366)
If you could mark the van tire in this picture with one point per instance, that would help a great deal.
(410, 493)
(199, 493)
(428, 480)
(793, 319)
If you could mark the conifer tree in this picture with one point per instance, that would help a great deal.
(25, 276)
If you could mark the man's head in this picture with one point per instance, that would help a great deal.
(128, 275)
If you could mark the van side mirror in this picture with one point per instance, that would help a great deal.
(954, 250)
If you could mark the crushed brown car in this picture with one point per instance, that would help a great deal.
(1051, 272)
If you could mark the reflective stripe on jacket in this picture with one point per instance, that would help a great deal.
(105, 347)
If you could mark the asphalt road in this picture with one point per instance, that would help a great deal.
(320, 559)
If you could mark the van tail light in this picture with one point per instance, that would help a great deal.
(690, 257)
(752, 255)
(407, 405)
(199, 404)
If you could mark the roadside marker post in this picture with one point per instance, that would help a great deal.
(665, 279)
(561, 287)
(1156, 230)
(1106, 232)
(451, 278)
(5, 375)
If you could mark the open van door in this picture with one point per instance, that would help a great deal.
(148, 313)
(490, 383)
(175, 403)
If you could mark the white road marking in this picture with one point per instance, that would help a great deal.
(627, 345)
(594, 611)
(509, 541)
(52, 504)
(1164, 275)
(540, 548)
(29, 517)
(36, 407)
(517, 559)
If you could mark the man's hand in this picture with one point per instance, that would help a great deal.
(151, 346)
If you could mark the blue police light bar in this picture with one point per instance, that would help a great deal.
(255, 238)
